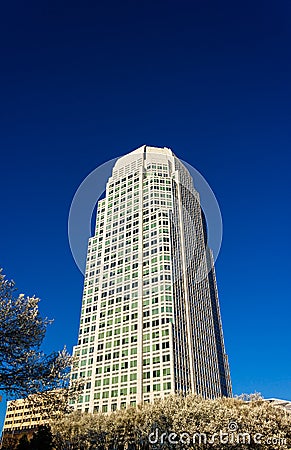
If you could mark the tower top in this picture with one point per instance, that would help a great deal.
(150, 149)
(135, 159)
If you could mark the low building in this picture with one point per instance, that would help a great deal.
(21, 416)
(286, 404)
(24, 415)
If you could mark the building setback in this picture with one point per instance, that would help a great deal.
(150, 321)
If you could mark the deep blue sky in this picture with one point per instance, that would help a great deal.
(84, 82)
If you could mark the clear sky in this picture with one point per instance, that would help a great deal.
(84, 82)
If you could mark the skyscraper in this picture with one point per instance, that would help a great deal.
(150, 320)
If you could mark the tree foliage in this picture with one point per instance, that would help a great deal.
(9, 442)
(23, 443)
(24, 368)
(142, 428)
(42, 439)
